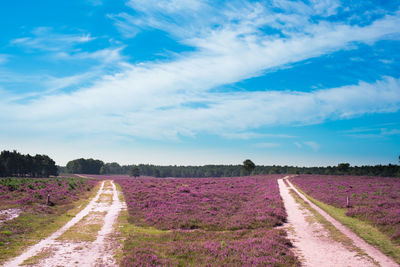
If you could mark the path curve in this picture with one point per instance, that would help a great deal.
(97, 253)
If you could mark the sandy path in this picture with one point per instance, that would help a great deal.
(312, 241)
(68, 252)
(371, 251)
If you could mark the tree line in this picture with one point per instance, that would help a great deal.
(19, 165)
(16, 164)
(90, 167)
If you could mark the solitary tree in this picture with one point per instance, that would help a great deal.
(343, 167)
(247, 167)
(135, 172)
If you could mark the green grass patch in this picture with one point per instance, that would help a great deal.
(105, 198)
(86, 229)
(363, 229)
(131, 235)
(30, 227)
(128, 229)
(44, 254)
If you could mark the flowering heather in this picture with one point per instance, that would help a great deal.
(206, 203)
(24, 192)
(373, 199)
(206, 222)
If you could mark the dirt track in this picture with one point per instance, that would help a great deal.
(313, 243)
(86, 240)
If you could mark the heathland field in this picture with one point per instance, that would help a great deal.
(237, 221)
(228, 221)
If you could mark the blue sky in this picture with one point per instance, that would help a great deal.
(197, 82)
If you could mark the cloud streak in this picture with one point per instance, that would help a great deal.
(170, 99)
(43, 38)
(149, 115)
(3, 58)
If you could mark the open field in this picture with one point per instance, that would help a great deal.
(228, 221)
(235, 221)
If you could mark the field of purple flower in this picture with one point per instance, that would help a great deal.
(206, 221)
(30, 193)
(372, 199)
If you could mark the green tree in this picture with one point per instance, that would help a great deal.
(16, 164)
(86, 166)
(247, 167)
(343, 168)
(135, 172)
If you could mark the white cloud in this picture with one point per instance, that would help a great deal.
(387, 132)
(157, 114)
(95, 2)
(44, 38)
(126, 24)
(313, 145)
(298, 144)
(3, 58)
(106, 56)
(325, 7)
(372, 132)
(386, 61)
(168, 6)
(253, 135)
(155, 100)
(177, 17)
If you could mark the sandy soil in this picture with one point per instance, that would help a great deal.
(62, 248)
(313, 243)
(82, 176)
(9, 214)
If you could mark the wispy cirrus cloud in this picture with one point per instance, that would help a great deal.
(266, 145)
(3, 58)
(157, 115)
(377, 132)
(48, 45)
(310, 144)
(44, 38)
(62, 46)
(106, 55)
(95, 2)
(313, 145)
(153, 99)
(254, 135)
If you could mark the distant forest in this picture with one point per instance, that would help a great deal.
(91, 166)
(15, 164)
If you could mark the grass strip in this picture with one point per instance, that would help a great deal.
(44, 254)
(105, 198)
(86, 229)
